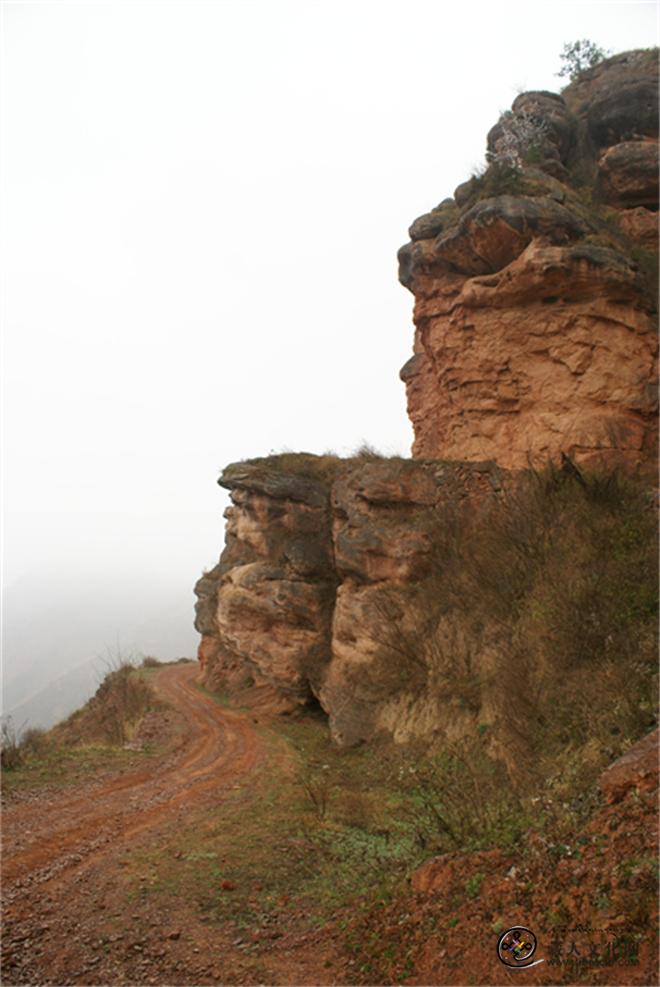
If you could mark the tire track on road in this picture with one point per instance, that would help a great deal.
(221, 747)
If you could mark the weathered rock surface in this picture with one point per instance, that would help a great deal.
(311, 597)
(641, 225)
(496, 231)
(264, 611)
(628, 174)
(535, 317)
(535, 288)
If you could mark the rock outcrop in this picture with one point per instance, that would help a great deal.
(312, 597)
(535, 284)
(535, 308)
(264, 611)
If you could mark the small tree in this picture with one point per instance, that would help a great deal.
(577, 56)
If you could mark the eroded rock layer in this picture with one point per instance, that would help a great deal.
(311, 597)
(264, 611)
(535, 285)
(535, 311)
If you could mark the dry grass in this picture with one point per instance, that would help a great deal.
(540, 620)
(325, 468)
(11, 754)
(91, 740)
(122, 698)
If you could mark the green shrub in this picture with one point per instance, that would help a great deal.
(460, 797)
(473, 885)
(578, 56)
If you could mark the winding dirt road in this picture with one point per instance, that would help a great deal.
(63, 852)
(218, 748)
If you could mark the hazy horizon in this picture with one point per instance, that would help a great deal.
(202, 205)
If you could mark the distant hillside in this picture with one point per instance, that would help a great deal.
(52, 629)
(59, 698)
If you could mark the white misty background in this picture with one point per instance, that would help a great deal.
(202, 204)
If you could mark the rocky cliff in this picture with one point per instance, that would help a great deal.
(535, 285)
(312, 600)
(535, 314)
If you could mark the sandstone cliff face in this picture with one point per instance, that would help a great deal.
(264, 611)
(534, 285)
(311, 599)
(535, 337)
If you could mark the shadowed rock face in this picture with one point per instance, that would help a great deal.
(617, 99)
(264, 611)
(534, 288)
(311, 589)
(628, 174)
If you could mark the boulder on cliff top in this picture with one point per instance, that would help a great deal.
(618, 98)
(429, 225)
(628, 174)
(496, 231)
(274, 483)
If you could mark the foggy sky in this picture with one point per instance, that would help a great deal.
(202, 204)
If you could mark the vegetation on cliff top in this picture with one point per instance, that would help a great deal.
(578, 56)
(325, 468)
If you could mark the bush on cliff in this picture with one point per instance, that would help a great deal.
(578, 56)
(121, 699)
(539, 618)
(499, 177)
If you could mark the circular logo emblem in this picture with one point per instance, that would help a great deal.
(516, 946)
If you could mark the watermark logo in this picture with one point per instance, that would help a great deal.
(516, 947)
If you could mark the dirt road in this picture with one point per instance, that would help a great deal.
(69, 916)
(218, 747)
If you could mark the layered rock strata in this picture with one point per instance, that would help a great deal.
(535, 284)
(310, 599)
(264, 611)
(535, 292)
